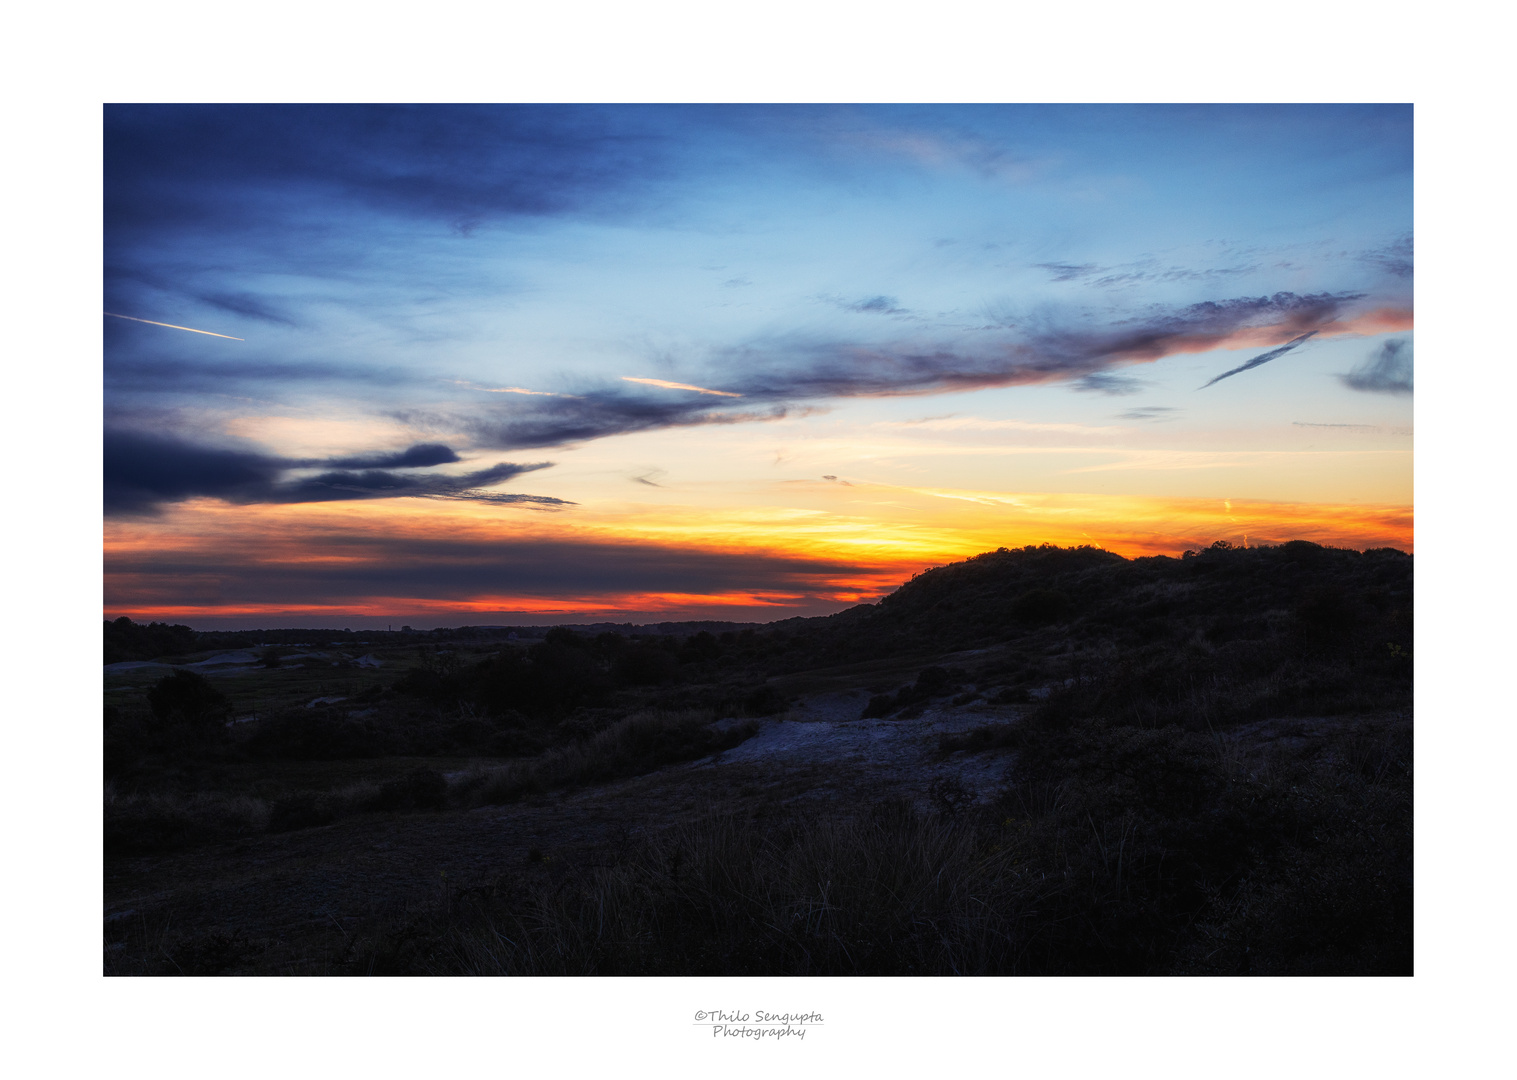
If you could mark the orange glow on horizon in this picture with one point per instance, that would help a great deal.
(826, 555)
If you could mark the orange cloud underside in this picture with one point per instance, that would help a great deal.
(831, 547)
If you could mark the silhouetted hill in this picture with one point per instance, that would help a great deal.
(1225, 593)
(1237, 631)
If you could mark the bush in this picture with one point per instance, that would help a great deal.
(645, 665)
(302, 810)
(420, 789)
(764, 701)
(188, 699)
(320, 735)
(882, 705)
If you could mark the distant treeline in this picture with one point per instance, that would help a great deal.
(128, 640)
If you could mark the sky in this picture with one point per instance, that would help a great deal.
(446, 365)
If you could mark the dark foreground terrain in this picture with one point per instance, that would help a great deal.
(1040, 761)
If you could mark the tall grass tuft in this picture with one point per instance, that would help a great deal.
(165, 821)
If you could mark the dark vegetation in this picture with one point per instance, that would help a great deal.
(1208, 770)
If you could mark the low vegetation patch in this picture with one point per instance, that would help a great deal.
(636, 744)
(165, 821)
(1117, 851)
(1162, 812)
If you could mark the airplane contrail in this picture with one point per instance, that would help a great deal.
(679, 386)
(507, 389)
(171, 326)
(1262, 358)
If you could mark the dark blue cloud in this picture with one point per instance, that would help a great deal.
(382, 484)
(545, 422)
(135, 363)
(420, 456)
(1388, 370)
(772, 378)
(192, 191)
(1262, 358)
(145, 471)
(208, 166)
(256, 570)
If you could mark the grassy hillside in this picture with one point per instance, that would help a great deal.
(1204, 763)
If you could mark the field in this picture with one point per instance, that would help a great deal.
(1036, 761)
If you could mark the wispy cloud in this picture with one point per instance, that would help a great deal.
(978, 423)
(1150, 413)
(529, 502)
(1262, 358)
(870, 305)
(1354, 427)
(506, 389)
(1104, 382)
(1388, 370)
(247, 305)
(1147, 271)
(1394, 259)
(785, 373)
(1068, 271)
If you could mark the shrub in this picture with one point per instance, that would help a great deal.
(420, 789)
(320, 735)
(645, 665)
(186, 698)
(764, 700)
(881, 705)
(1040, 607)
(301, 810)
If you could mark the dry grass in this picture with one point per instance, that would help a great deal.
(1119, 851)
(164, 821)
(635, 744)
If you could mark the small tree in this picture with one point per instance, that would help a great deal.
(187, 700)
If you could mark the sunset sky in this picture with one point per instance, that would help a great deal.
(447, 365)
